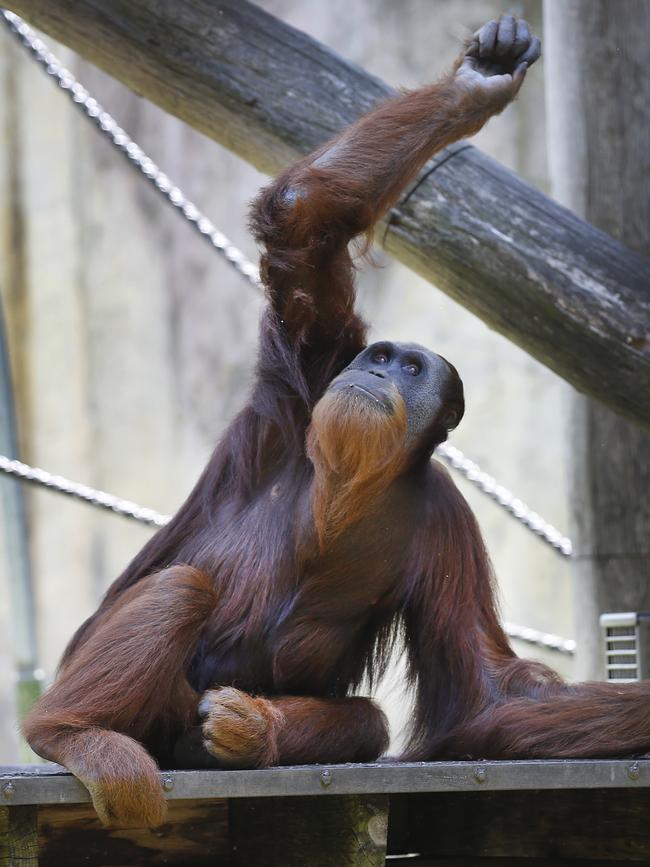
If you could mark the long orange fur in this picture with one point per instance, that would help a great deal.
(315, 536)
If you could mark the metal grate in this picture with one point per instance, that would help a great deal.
(627, 646)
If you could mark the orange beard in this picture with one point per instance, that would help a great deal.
(357, 449)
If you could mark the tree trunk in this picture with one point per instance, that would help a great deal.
(598, 84)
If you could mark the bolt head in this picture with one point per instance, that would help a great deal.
(326, 778)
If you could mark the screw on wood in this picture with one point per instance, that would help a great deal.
(167, 784)
(326, 778)
(8, 791)
(634, 771)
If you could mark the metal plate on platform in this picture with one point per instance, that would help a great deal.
(52, 784)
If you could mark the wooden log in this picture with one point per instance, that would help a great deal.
(565, 292)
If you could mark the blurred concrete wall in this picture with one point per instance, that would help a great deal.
(132, 342)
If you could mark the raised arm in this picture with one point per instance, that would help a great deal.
(307, 217)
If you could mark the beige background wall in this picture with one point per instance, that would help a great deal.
(132, 342)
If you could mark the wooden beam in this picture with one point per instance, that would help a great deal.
(19, 836)
(195, 834)
(568, 294)
(347, 830)
(557, 827)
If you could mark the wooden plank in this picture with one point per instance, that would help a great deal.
(411, 861)
(53, 785)
(18, 836)
(530, 828)
(566, 293)
(290, 832)
(596, 824)
(196, 834)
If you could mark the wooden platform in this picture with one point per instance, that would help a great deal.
(443, 813)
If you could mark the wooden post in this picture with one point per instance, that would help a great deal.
(345, 831)
(19, 836)
(598, 81)
(566, 293)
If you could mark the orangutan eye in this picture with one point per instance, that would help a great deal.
(412, 369)
(380, 358)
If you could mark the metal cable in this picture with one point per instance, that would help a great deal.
(82, 492)
(506, 499)
(107, 124)
(132, 510)
(548, 640)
